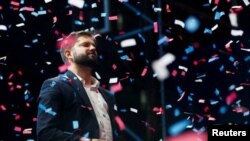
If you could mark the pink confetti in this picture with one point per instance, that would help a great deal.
(20, 73)
(30, 9)
(168, 10)
(240, 109)
(27, 105)
(201, 101)
(15, 3)
(189, 136)
(144, 71)
(155, 27)
(19, 86)
(34, 119)
(114, 66)
(17, 129)
(231, 98)
(158, 110)
(3, 108)
(183, 73)
(174, 73)
(85, 107)
(216, 2)
(120, 123)
(116, 87)
(81, 16)
(112, 18)
(63, 67)
(17, 117)
(27, 131)
(11, 76)
(195, 63)
(54, 19)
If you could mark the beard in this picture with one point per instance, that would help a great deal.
(86, 60)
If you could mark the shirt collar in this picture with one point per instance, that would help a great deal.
(96, 82)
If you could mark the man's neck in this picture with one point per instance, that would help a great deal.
(82, 71)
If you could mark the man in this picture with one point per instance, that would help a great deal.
(72, 106)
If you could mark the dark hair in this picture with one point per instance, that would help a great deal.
(70, 40)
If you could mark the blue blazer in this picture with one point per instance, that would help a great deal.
(65, 112)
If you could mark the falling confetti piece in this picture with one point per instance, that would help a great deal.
(120, 123)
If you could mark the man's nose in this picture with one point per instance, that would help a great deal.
(92, 47)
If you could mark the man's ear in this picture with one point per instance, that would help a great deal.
(68, 54)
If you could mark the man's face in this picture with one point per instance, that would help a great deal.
(84, 52)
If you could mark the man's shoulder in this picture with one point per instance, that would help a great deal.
(59, 78)
(106, 91)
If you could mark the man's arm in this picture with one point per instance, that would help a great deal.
(49, 114)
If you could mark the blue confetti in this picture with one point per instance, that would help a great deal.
(179, 90)
(231, 58)
(94, 19)
(247, 58)
(207, 31)
(142, 38)
(178, 127)
(168, 106)
(86, 135)
(124, 57)
(162, 40)
(189, 49)
(177, 112)
(222, 68)
(75, 124)
(53, 83)
(192, 24)
(34, 14)
(213, 59)
(217, 92)
(223, 109)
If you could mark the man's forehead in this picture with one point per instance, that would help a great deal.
(85, 39)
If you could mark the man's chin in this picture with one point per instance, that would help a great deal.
(91, 63)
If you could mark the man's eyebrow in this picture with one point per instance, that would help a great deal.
(93, 43)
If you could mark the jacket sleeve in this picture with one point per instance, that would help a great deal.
(50, 105)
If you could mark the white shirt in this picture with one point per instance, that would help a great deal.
(100, 108)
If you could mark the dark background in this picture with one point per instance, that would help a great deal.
(29, 55)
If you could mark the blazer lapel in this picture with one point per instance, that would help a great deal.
(81, 93)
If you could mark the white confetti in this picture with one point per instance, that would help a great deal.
(183, 68)
(239, 88)
(3, 27)
(128, 43)
(246, 2)
(77, 3)
(47, 1)
(113, 80)
(236, 32)
(180, 23)
(233, 19)
(214, 27)
(134, 110)
(20, 24)
(159, 66)
(97, 76)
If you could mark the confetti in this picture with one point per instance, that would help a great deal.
(113, 80)
(116, 88)
(180, 23)
(178, 127)
(3, 27)
(120, 123)
(159, 66)
(191, 24)
(77, 3)
(128, 43)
